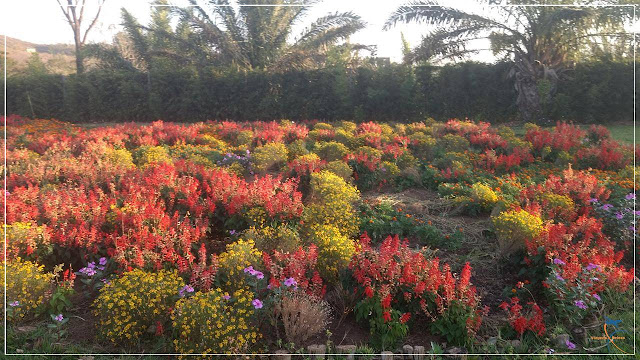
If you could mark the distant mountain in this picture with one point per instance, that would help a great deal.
(59, 58)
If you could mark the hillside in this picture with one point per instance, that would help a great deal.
(59, 58)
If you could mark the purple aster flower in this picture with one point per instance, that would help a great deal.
(14, 303)
(290, 282)
(257, 303)
(558, 262)
(226, 297)
(597, 297)
(248, 269)
(580, 304)
(632, 228)
(559, 277)
(593, 200)
(630, 196)
(232, 232)
(103, 261)
(619, 216)
(91, 265)
(259, 275)
(185, 289)
(570, 345)
(87, 271)
(59, 318)
(607, 207)
(269, 286)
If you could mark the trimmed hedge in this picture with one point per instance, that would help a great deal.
(595, 92)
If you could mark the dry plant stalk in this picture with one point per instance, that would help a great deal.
(303, 316)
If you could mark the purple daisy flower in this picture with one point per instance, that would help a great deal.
(226, 297)
(14, 303)
(558, 262)
(619, 216)
(570, 345)
(103, 261)
(185, 289)
(580, 304)
(259, 275)
(597, 297)
(59, 317)
(630, 196)
(593, 200)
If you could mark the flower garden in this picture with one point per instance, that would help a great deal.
(252, 238)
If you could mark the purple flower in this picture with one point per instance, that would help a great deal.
(91, 265)
(570, 345)
(632, 228)
(88, 271)
(259, 275)
(14, 303)
(607, 207)
(185, 289)
(290, 282)
(619, 216)
(249, 269)
(257, 303)
(593, 200)
(559, 277)
(637, 213)
(580, 304)
(58, 318)
(592, 266)
(232, 232)
(630, 196)
(226, 297)
(558, 262)
(103, 261)
(597, 297)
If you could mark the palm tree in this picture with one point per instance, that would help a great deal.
(257, 37)
(542, 41)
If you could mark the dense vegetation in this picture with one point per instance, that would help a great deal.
(598, 92)
(252, 237)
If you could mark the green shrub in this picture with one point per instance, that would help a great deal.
(269, 156)
(331, 151)
(341, 169)
(282, 238)
(453, 143)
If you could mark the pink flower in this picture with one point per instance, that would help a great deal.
(257, 303)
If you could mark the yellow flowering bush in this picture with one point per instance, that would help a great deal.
(24, 239)
(322, 126)
(28, 288)
(422, 145)
(341, 169)
(514, 227)
(269, 156)
(297, 149)
(331, 203)
(119, 157)
(347, 138)
(213, 142)
(282, 238)
(388, 171)
(214, 322)
(483, 196)
(234, 260)
(128, 306)
(245, 137)
(151, 154)
(331, 150)
(334, 249)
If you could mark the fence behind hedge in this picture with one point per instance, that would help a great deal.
(594, 92)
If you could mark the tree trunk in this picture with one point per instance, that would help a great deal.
(79, 59)
(528, 98)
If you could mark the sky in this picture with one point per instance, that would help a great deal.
(42, 22)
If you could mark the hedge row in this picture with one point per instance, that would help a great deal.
(597, 92)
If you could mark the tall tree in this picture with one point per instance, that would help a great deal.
(75, 19)
(542, 41)
(256, 37)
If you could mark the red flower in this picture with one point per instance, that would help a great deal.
(405, 317)
(386, 316)
(368, 291)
